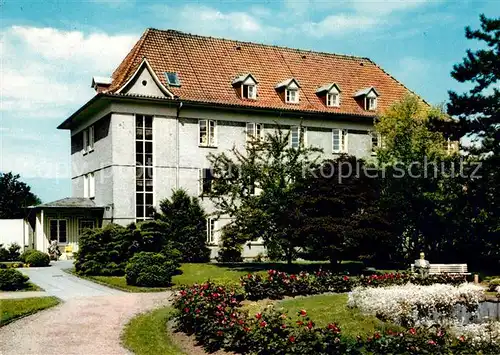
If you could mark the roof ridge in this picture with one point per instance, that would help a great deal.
(261, 44)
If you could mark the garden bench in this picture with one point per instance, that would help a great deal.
(456, 269)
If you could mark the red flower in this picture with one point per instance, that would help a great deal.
(346, 278)
(303, 313)
(432, 342)
(220, 333)
(246, 329)
(283, 326)
(461, 338)
(197, 310)
(300, 323)
(186, 310)
(258, 315)
(263, 323)
(377, 336)
(292, 339)
(412, 331)
(310, 324)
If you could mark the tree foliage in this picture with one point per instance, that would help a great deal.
(15, 196)
(185, 225)
(254, 187)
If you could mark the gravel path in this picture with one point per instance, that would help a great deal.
(79, 326)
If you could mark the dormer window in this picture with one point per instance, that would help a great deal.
(369, 97)
(330, 93)
(249, 92)
(290, 87)
(248, 86)
(292, 96)
(371, 103)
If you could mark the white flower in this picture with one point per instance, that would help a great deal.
(415, 305)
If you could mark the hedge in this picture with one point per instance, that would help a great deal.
(12, 280)
(38, 259)
(150, 270)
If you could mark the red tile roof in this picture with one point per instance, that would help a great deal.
(207, 66)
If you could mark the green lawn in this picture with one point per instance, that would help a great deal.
(332, 308)
(147, 334)
(12, 309)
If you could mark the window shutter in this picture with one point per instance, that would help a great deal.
(91, 138)
(85, 141)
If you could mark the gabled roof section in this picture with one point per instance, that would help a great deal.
(145, 65)
(101, 80)
(69, 202)
(327, 88)
(208, 66)
(286, 83)
(242, 78)
(366, 91)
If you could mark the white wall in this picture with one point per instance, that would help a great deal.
(14, 231)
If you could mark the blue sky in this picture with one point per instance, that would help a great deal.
(50, 50)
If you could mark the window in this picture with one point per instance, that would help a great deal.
(371, 103)
(376, 141)
(253, 131)
(249, 92)
(91, 138)
(339, 140)
(144, 167)
(211, 224)
(292, 96)
(172, 79)
(207, 132)
(88, 140)
(333, 99)
(89, 185)
(85, 224)
(205, 181)
(85, 141)
(58, 230)
(296, 135)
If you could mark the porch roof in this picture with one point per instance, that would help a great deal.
(70, 202)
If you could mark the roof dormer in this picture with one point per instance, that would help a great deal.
(330, 93)
(369, 97)
(248, 86)
(100, 83)
(290, 88)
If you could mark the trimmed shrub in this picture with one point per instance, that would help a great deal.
(106, 251)
(12, 280)
(185, 222)
(150, 270)
(38, 259)
(25, 254)
(231, 247)
(494, 285)
(11, 253)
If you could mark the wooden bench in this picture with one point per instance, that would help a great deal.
(456, 269)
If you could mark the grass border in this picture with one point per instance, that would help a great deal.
(129, 289)
(56, 301)
(147, 333)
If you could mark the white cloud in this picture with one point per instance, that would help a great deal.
(45, 75)
(340, 24)
(205, 20)
(374, 7)
(47, 68)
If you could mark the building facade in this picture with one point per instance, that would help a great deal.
(177, 97)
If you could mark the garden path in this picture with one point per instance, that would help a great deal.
(88, 322)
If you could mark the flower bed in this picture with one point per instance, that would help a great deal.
(213, 314)
(280, 284)
(411, 305)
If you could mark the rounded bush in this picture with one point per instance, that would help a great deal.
(494, 285)
(38, 259)
(12, 279)
(25, 254)
(150, 270)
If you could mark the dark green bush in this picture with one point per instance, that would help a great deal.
(106, 251)
(150, 270)
(11, 253)
(38, 259)
(25, 254)
(12, 280)
(185, 223)
(230, 247)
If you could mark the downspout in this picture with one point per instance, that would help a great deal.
(177, 138)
